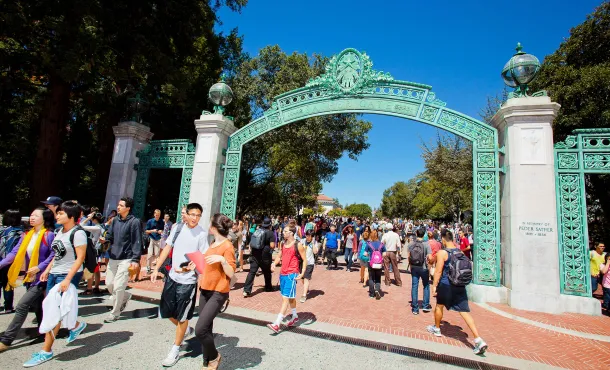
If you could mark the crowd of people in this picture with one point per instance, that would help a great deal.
(48, 257)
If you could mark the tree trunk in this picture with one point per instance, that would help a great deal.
(46, 179)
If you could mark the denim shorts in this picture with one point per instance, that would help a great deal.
(55, 279)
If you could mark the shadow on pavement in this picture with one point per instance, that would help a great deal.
(455, 332)
(94, 344)
(233, 357)
(307, 318)
(139, 313)
(314, 293)
(92, 311)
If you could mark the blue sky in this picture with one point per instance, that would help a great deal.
(458, 47)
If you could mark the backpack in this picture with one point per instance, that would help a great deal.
(376, 261)
(459, 271)
(363, 246)
(256, 240)
(8, 241)
(167, 264)
(417, 254)
(90, 262)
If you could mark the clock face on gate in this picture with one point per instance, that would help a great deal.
(349, 70)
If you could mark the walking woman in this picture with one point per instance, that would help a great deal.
(364, 258)
(35, 253)
(214, 285)
(375, 270)
(351, 244)
(10, 233)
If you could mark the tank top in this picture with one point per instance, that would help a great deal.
(309, 252)
(290, 262)
(444, 277)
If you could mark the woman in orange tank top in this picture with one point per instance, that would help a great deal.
(214, 285)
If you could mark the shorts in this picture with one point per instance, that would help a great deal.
(55, 279)
(308, 272)
(288, 285)
(363, 263)
(177, 300)
(453, 297)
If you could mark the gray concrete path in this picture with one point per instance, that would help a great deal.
(140, 341)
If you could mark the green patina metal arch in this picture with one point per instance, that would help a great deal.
(585, 152)
(350, 85)
(163, 154)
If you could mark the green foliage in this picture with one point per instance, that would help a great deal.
(308, 212)
(577, 76)
(442, 191)
(336, 212)
(67, 69)
(360, 210)
(285, 167)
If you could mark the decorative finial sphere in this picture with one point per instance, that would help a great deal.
(220, 94)
(520, 70)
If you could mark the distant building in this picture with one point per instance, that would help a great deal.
(327, 202)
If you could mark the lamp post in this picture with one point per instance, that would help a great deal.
(138, 105)
(221, 95)
(519, 72)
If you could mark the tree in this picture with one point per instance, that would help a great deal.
(308, 212)
(337, 203)
(336, 212)
(296, 158)
(397, 200)
(360, 210)
(577, 76)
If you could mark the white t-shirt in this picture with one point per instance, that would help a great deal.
(391, 240)
(64, 251)
(188, 241)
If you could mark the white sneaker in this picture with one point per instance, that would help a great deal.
(172, 358)
(189, 333)
(480, 348)
(434, 330)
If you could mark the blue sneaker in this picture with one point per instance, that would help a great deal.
(75, 332)
(38, 358)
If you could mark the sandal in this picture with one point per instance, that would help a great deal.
(86, 292)
(97, 291)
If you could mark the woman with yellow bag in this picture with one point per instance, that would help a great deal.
(34, 252)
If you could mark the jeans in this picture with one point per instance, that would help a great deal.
(7, 294)
(210, 303)
(606, 303)
(32, 298)
(55, 279)
(331, 257)
(374, 280)
(594, 283)
(417, 273)
(264, 262)
(117, 275)
(349, 253)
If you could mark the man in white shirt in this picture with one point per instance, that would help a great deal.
(391, 240)
(178, 296)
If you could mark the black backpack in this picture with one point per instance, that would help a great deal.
(257, 239)
(91, 254)
(8, 240)
(460, 268)
(417, 254)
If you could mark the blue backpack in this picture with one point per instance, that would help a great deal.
(363, 246)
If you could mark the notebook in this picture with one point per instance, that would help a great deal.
(198, 259)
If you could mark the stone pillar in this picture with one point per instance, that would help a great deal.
(130, 137)
(529, 238)
(213, 131)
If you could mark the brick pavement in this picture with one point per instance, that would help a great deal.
(337, 297)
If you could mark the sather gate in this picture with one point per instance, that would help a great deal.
(350, 85)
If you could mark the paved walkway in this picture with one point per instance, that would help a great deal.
(337, 298)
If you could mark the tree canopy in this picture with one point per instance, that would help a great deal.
(360, 210)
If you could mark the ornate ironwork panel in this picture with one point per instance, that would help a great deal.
(351, 85)
(577, 155)
(164, 154)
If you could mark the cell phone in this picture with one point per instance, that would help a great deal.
(184, 264)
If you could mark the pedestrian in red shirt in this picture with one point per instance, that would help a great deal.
(464, 244)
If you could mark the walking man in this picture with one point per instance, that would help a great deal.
(154, 229)
(419, 253)
(178, 296)
(290, 254)
(331, 246)
(262, 244)
(311, 250)
(451, 296)
(391, 241)
(125, 237)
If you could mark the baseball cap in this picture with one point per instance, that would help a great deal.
(56, 201)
